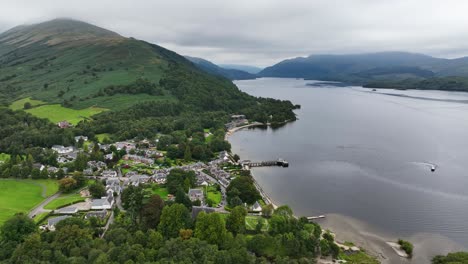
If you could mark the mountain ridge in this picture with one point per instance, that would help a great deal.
(208, 66)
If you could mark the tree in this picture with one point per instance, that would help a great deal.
(236, 157)
(79, 178)
(17, 228)
(259, 225)
(35, 174)
(267, 210)
(173, 219)
(151, 212)
(235, 222)
(245, 188)
(132, 201)
(27, 105)
(81, 161)
(67, 184)
(187, 154)
(97, 189)
(325, 247)
(182, 198)
(185, 233)
(210, 228)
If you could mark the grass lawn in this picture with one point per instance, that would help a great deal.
(214, 195)
(159, 190)
(102, 136)
(251, 223)
(40, 217)
(63, 200)
(18, 196)
(51, 186)
(18, 105)
(56, 113)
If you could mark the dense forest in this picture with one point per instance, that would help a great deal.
(153, 230)
(442, 83)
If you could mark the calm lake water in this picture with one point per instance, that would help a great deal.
(367, 155)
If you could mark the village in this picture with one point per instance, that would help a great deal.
(137, 167)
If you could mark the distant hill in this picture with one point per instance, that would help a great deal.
(81, 65)
(232, 74)
(364, 68)
(106, 83)
(246, 68)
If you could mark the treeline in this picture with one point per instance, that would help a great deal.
(154, 231)
(140, 86)
(454, 83)
(20, 131)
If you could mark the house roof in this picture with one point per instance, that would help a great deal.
(55, 220)
(68, 210)
(198, 209)
(98, 214)
(195, 192)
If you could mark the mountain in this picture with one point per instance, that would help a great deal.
(246, 68)
(143, 88)
(232, 74)
(362, 68)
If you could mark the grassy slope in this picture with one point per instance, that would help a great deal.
(20, 196)
(81, 70)
(19, 104)
(56, 113)
(63, 200)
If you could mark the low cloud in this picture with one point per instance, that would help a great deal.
(262, 32)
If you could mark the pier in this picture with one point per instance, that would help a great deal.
(280, 162)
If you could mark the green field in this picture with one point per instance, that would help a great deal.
(56, 113)
(18, 105)
(51, 186)
(161, 191)
(64, 200)
(214, 195)
(102, 136)
(18, 196)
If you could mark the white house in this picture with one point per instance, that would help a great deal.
(256, 207)
(103, 203)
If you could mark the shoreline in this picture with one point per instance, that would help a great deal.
(234, 130)
(375, 242)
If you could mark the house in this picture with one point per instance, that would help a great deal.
(77, 139)
(125, 145)
(62, 150)
(160, 178)
(198, 209)
(64, 124)
(52, 169)
(256, 207)
(109, 174)
(53, 221)
(195, 194)
(113, 184)
(98, 214)
(96, 164)
(68, 210)
(88, 172)
(103, 203)
(109, 156)
(138, 159)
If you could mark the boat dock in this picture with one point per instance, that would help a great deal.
(312, 218)
(280, 162)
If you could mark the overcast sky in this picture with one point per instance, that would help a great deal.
(263, 32)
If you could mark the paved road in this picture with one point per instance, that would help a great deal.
(109, 222)
(40, 208)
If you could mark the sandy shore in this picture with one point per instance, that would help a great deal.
(232, 131)
(374, 241)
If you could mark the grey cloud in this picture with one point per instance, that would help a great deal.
(262, 32)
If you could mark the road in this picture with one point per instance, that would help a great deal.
(40, 208)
